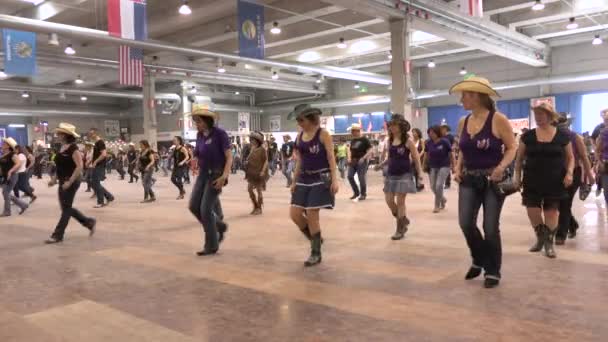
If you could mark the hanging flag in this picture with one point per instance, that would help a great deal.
(128, 19)
(19, 52)
(251, 29)
(474, 8)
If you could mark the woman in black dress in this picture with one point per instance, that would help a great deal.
(69, 173)
(545, 154)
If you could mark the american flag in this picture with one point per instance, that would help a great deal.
(127, 19)
(131, 66)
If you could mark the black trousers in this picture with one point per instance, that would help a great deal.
(23, 185)
(131, 171)
(177, 177)
(66, 200)
(565, 205)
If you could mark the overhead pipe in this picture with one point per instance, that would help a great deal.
(32, 25)
(54, 111)
(429, 94)
(84, 91)
(290, 100)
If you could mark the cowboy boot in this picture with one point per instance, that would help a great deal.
(254, 201)
(401, 229)
(538, 246)
(315, 251)
(548, 243)
(306, 233)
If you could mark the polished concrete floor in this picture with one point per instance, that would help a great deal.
(138, 279)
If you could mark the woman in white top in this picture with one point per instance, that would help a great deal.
(22, 180)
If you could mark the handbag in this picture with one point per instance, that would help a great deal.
(584, 191)
(506, 187)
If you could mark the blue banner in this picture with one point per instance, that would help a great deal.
(19, 52)
(251, 29)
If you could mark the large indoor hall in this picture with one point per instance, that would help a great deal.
(319, 170)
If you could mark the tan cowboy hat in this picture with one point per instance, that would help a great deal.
(354, 127)
(89, 143)
(474, 84)
(68, 129)
(203, 112)
(548, 108)
(257, 136)
(10, 141)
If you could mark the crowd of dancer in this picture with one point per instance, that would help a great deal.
(489, 162)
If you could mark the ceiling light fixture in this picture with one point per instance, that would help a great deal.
(193, 90)
(342, 44)
(597, 40)
(25, 95)
(275, 75)
(572, 24)
(390, 55)
(538, 6)
(3, 74)
(363, 46)
(275, 28)
(69, 50)
(309, 56)
(463, 71)
(431, 64)
(79, 80)
(53, 39)
(220, 67)
(237, 93)
(83, 98)
(184, 9)
(357, 86)
(318, 81)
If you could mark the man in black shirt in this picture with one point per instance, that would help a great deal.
(358, 161)
(273, 149)
(287, 162)
(132, 161)
(99, 169)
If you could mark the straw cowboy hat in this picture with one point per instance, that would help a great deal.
(354, 127)
(474, 84)
(89, 143)
(68, 129)
(547, 108)
(203, 112)
(10, 141)
(257, 136)
(303, 110)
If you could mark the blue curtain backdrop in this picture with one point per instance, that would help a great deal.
(17, 133)
(514, 109)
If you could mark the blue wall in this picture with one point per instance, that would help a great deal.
(514, 109)
(343, 122)
(17, 133)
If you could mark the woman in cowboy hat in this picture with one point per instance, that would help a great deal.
(400, 154)
(9, 165)
(315, 177)
(146, 167)
(358, 157)
(69, 173)
(486, 149)
(547, 155)
(256, 171)
(214, 161)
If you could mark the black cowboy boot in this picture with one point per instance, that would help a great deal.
(315, 251)
(540, 233)
(548, 243)
(402, 227)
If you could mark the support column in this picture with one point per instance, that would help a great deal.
(401, 102)
(149, 107)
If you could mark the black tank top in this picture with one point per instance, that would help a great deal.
(6, 163)
(144, 160)
(178, 156)
(65, 163)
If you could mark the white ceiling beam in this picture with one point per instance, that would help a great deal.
(525, 5)
(558, 17)
(283, 22)
(571, 32)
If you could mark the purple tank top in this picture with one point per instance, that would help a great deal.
(604, 137)
(313, 155)
(482, 151)
(398, 160)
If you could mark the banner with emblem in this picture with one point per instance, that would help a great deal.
(244, 122)
(251, 29)
(19, 52)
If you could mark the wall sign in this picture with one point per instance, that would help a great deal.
(244, 122)
(112, 128)
(275, 123)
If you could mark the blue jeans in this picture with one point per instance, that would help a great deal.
(99, 174)
(205, 205)
(146, 181)
(486, 250)
(7, 189)
(437, 178)
(287, 169)
(360, 169)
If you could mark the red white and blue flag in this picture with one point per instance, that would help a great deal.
(127, 19)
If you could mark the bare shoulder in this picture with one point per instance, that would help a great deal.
(325, 135)
(501, 119)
